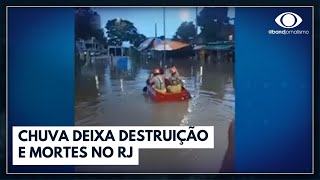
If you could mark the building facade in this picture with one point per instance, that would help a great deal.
(91, 46)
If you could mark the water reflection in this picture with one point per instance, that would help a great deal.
(109, 93)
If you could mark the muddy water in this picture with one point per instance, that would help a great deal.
(110, 94)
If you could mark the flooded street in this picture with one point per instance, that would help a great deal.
(110, 94)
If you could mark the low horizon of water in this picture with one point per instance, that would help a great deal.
(110, 94)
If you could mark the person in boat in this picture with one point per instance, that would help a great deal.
(157, 81)
(175, 69)
(162, 73)
(178, 75)
(151, 75)
(175, 81)
(149, 78)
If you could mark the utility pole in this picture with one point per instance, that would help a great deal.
(194, 39)
(155, 30)
(164, 33)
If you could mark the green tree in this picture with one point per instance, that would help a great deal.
(162, 38)
(185, 32)
(99, 35)
(84, 29)
(212, 22)
(138, 39)
(219, 14)
(119, 30)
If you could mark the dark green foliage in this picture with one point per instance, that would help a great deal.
(214, 24)
(185, 32)
(120, 30)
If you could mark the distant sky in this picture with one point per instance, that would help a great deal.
(144, 19)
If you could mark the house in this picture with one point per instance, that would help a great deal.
(218, 49)
(90, 46)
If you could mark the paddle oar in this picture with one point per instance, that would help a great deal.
(145, 89)
(189, 95)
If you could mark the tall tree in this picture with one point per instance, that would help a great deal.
(84, 28)
(212, 22)
(99, 35)
(208, 14)
(138, 39)
(121, 30)
(185, 32)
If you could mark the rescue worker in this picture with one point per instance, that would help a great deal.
(175, 69)
(175, 81)
(157, 81)
(149, 78)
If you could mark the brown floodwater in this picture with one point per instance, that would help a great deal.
(109, 93)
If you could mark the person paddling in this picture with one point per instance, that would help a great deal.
(175, 81)
(149, 78)
(157, 81)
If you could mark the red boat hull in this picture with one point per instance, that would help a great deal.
(156, 96)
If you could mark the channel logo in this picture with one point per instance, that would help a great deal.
(288, 20)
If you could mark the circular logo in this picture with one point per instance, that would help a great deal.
(288, 20)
